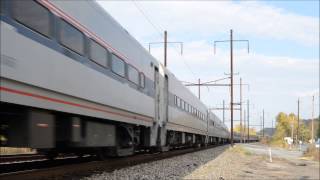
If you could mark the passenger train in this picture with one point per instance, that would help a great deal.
(74, 80)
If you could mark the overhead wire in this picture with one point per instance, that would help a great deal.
(159, 31)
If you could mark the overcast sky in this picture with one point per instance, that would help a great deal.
(283, 63)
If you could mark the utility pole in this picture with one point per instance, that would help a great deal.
(263, 123)
(165, 48)
(312, 118)
(231, 77)
(223, 109)
(199, 88)
(231, 83)
(272, 126)
(248, 120)
(241, 128)
(244, 126)
(298, 121)
(165, 43)
(292, 128)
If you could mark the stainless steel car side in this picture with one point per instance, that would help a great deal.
(73, 80)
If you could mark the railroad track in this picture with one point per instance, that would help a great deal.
(20, 158)
(79, 167)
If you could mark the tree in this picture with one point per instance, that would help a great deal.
(318, 132)
(288, 125)
(252, 131)
(304, 132)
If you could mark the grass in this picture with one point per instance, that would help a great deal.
(312, 152)
(240, 150)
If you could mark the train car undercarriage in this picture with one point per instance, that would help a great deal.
(53, 133)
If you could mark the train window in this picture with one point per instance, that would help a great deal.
(32, 15)
(175, 99)
(142, 80)
(118, 65)
(178, 101)
(98, 54)
(133, 75)
(71, 37)
(182, 104)
(2, 7)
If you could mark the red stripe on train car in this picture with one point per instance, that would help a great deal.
(14, 91)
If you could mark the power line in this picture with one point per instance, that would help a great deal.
(160, 30)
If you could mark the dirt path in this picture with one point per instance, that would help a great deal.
(252, 162)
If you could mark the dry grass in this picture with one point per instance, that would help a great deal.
(13, 151)
(240, 150)
(312, 152)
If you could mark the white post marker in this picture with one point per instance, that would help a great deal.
(270, 155)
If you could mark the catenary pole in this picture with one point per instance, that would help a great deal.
(241, 127)
(248, 120)
(263, 123)
(223, 109)
(298, 121)
(231, 84)
(312, 123)
(165, 48)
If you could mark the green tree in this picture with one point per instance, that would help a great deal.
(304, 133)
(318, 133)
(282, 128)
(288, 124)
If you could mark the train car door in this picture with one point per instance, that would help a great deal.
(164, 112)
(157, 94)
(166, 99)
(155, 126)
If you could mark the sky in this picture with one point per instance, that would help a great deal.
(281, 67)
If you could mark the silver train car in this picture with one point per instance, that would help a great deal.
(73, 80)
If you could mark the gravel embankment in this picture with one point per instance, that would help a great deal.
(171, 168)
(245, 162)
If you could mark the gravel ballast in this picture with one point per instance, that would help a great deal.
(171, 168)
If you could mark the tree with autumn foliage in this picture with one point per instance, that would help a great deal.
(285, 125)
(252, 131)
